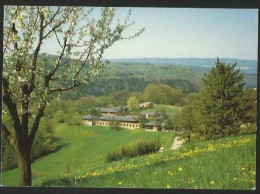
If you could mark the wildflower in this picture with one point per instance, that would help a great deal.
(235, 179)
(170, 173)
(212, 182)
(243, 168)
(168, 186)
(180, 169)
(120, 183)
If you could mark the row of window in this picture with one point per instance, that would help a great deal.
(121, 124)
(128, 125)
(102, 123)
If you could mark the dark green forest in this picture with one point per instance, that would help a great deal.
(135, 77)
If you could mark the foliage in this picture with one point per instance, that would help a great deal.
(142, 120)
(43, 145)
(133, 104)
(141, 148)
(44, 141)
(222, 105)
(114, 124)
(120, 79)
(163, 94)
(31, 79)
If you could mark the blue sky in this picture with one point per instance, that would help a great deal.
(187, 33)
(190, 32)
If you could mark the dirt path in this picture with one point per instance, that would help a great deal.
(177, 143)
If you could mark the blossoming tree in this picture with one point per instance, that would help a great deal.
(30, 78)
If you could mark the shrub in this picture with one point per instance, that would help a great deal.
(43, 145)
(141, 148)
(114, 156)
(249, 129)
(58, 181)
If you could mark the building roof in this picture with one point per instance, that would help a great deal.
(152, 123)
(119, 118)
(149, 113)
(89, 117)
(110, 110)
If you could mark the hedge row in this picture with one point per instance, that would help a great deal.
(141, 148)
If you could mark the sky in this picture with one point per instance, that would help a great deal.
(188, 33)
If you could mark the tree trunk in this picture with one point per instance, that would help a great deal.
(24, 164)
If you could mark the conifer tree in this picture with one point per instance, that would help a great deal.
(222, 104)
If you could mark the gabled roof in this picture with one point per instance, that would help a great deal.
(89, 117)
(152, 123)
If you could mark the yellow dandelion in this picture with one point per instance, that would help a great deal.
(180, 169)
(212, 182)
(235, 179)
(243, 168)
(168, 186)
(120, 183)
(170, 173)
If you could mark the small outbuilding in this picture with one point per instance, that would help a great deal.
(153, 125)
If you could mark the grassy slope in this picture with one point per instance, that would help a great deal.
(83, 148)
(168, 108)
(226, 163)
(223, 164)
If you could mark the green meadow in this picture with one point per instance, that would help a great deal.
(227, 163)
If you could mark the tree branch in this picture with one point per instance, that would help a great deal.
(67, 88)
(12, 108)
(35, 55)
(52, 72)
(35, 125)
(10, 138)
(58, 25)
(54, 15)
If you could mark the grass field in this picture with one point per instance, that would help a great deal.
(168, 108)
(81, 149)
(227, 163)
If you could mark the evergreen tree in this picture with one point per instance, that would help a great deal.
(222, 105)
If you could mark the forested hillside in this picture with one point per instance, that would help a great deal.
(134, 75)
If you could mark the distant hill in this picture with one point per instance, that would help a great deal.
(246, 66)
